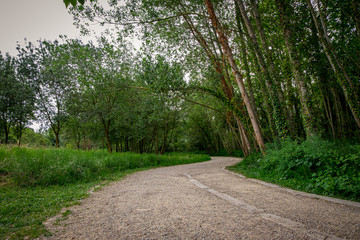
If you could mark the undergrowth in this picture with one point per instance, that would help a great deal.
(330, 168)
(36, 183)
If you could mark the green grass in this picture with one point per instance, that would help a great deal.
(330, 168)
(36, 184)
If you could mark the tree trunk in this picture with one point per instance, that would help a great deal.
(57, 142)
(355, 6)
(238, 140)
(244, 138)
(7, 131)
(342, 76)
(307, 118)
(20, 139)
(327, 106)
(238, 77)
(212, 55)
(127, 144)
(106, 125)
(268, 53)
(280, 122)
(157, 142)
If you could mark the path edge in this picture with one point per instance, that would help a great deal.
(295, 192)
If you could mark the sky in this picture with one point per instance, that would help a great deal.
(33, 20)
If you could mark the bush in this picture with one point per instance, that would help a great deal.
(315, 165)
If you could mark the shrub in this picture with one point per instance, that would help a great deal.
(315, 165)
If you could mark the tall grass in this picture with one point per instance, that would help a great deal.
(44, 167)
(316, 165)
(36, 183)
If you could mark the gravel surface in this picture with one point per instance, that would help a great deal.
(202, 201)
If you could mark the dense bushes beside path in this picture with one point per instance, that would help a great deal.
(319, 166)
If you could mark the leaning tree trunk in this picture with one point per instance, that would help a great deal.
(307, 118)
(238, 76)
(281, 125)
(212, 55)
(355, 6)
(264, 91)
(341, 75)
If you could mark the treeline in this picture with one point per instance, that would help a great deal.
(91, 96)
(234, 74)
(279, 69)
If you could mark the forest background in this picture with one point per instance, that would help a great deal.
(274, 81)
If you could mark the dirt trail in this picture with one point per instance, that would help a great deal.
(203, 201)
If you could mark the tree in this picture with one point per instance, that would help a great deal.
(8, 93)
(54, 85)
(17, 103)
(26, 75)
(102, 82)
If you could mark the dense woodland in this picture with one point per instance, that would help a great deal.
(210, 76)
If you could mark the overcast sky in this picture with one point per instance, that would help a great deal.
(33, 19)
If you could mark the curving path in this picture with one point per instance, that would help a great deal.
(204, 201)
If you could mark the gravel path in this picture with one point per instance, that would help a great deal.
(203, 201)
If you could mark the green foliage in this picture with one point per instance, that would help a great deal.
(17, 96)
(44, 167)
(315, 165)
(36, 183)
(74, 2)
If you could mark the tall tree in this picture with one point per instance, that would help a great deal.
(238, 76)
(54, 84)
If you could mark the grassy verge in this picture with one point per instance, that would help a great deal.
(36, 183)
(317, 166)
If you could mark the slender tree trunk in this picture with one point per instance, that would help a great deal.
(106, 125)
(213, 57)
(157, 142)
(342, 76)
(238, 139)
(245, 57)
(308, 120)
(339, 113)
(7, 131)
(238, 77)
(57, 142)
(355, 6)
(328, 112)
(280, 122)
(244, 137)
(268, 53)
(127, 144)
(20, 140)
